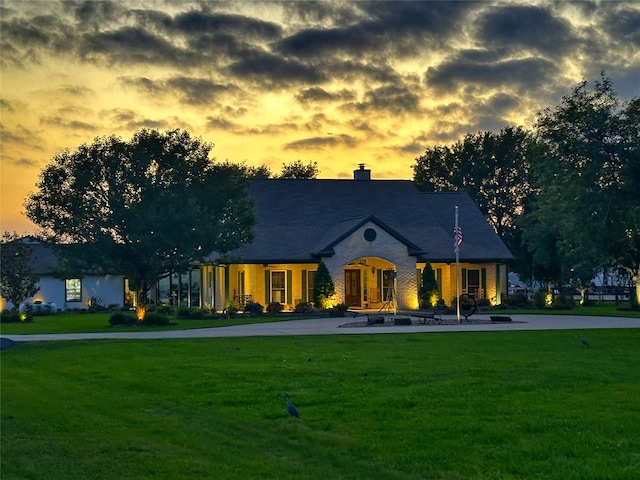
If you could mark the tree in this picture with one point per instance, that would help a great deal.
(17, 281)
(323, 287)
(589, 176)
(244, 170)
(297, 170)
(141, 208)
(492, 168)
(428, 287)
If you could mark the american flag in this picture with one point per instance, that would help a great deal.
(457, 239)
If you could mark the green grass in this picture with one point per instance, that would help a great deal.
(494, 405)
(605, 309)
(99, 322)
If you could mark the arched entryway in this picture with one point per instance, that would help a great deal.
(368, 282)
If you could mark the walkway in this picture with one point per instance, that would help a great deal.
(332, 326)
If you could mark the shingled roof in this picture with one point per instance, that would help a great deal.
(301, 220)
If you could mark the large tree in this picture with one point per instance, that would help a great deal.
(298, 170)
(143, 207)
(17, 280)
(590, 176)
(492, 167)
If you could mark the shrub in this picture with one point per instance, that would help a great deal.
(190, 312)
(517, 300)
(303, 307)
(155, 319)
(562, 302)
(274, 308)
(254, 309)
(539, 299)
(323, 287)
(483, 302)
(16, 317)
(122, 318)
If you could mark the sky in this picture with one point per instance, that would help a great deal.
(270, 83)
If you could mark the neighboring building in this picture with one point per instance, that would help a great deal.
(375, 237)
(74, 292)
(367, 232)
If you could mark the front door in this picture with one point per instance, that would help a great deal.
(352, 292)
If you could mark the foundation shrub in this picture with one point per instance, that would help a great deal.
(121, 318)
(254, 309)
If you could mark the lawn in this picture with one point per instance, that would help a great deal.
(72, 322)
(494, 405)
(99, 322)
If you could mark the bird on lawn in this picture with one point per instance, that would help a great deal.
(583, 340)
(293, 411)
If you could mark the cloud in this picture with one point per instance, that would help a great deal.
(320, 95)
(320, 143)
(188, 90)
(269, 70)
(390, 99)
(19, 134)
(56, 121)
(522, 75)
(132, 46)
(523, 28)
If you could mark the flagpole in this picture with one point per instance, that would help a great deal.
(457, 249)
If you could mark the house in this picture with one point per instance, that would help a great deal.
(375, 237)
(76, 292)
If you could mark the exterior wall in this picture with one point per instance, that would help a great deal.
(495, 280)
(385, 247)
(109, 290)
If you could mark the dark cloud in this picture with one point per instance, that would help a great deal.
(194, 22)
(523, 75)
(68, 124)
(392, 29)
(273, 71)
(189, 90)
(21, 135)
(623, 25)
(132, 45)
(196, 91)
(320, 95)
(320, 143)
(391, 99)
(525, 28)
(221, 123)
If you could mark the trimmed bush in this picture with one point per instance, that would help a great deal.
(254, 309)
(121, 318)
(304, 307)
(274, 308)
(155, 319)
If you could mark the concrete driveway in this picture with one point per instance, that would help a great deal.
(336, 326)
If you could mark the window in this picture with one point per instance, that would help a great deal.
(473, 282)
(311, 277)
(278, 286)
(73, 290)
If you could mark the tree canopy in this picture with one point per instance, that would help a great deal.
(589, 186)
(143, 207)
(17, 281)
(492, 168)
(298, 170)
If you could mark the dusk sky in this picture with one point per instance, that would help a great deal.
(338, 83)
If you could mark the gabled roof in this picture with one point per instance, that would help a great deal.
(300, 220)
(345, 228)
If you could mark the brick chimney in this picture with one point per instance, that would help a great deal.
(362, 173)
